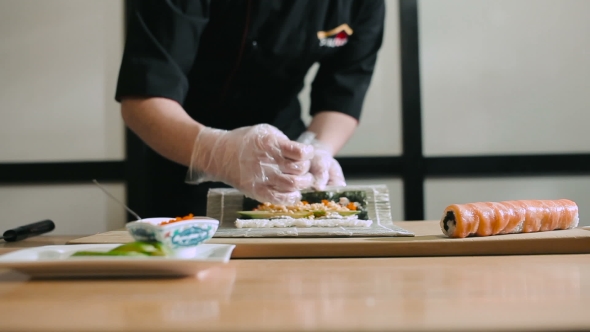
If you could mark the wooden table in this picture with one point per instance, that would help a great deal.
(444, 293)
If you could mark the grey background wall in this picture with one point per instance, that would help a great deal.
(498, 77)
(505, 77)
(58, 67)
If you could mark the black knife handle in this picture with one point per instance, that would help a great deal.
(34, 229)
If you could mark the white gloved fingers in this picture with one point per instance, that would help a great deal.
(274, 147)
(286, 166)
(294, 167)
(295, 150)
(259, 160)
(278, 198)
(321, 180)
(320, 170)
(336, 175)
(260, 141)
(271, 176)
(265, 193)
(288, 183)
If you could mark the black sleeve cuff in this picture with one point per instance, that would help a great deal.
(146, 78)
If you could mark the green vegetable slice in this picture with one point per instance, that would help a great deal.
(130, 249)
(147, 248)
(108, 253)
(342, 213)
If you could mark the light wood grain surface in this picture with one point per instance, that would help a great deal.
(44, 240)
(443, 293)
(493, 293)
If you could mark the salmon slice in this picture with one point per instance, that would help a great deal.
(508, 217)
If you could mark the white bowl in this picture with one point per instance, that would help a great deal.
(180, 237)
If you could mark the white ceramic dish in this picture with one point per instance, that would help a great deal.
(55, 262)
(181, 237)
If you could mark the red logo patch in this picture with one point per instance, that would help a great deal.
(336, 37)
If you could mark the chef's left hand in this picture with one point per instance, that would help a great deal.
(325, 169)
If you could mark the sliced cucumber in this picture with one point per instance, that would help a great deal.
(129, 249)
(146, 248)
(342, 213)
(348, 213)
(108, 253)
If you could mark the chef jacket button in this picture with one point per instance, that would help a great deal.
(254, 44)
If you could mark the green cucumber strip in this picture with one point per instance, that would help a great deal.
(147, 248)
(342, 213)
(108, 253)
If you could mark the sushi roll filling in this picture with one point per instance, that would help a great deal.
(449, 217)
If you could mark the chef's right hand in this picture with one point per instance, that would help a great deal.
(260, 161)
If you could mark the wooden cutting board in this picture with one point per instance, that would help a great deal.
(428, 241)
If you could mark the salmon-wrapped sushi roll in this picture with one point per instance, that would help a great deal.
(493, 218)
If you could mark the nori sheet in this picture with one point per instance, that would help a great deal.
(317, 196)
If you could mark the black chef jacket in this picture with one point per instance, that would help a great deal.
(234, 63)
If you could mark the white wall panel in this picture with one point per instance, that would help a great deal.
(379, 133)
(505, 76)
(75, 209)
(396, 191)
(441, 193)
(59, 62)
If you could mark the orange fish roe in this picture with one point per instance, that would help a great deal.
(187, 217)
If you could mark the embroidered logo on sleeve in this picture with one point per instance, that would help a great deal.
(336, 37)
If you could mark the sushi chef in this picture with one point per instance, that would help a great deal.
(212, 86)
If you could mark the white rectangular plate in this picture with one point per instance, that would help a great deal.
(55, 262)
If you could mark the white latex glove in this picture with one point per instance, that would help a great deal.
(260, 161)
(325, 169)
